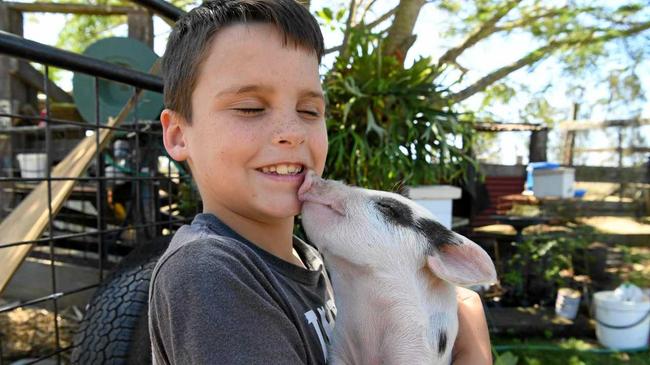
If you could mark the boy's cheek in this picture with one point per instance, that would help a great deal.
(323, 147)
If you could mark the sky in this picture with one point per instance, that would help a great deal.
(481, 59)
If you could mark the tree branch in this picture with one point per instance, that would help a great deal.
(367, 8)
(382, 18)
(348, 28)
(333, 49)
(485, 30)
(526, 20)
(540, 53)
(305, 3)
(370, 25)
(400, 34)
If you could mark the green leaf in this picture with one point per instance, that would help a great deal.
(507, 358)
(346, 109)
(372, 124)
(325, 14)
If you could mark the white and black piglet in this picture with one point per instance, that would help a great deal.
(394, 270)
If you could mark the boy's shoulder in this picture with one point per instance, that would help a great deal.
(195, 253)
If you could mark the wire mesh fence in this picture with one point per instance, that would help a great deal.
(129, 194)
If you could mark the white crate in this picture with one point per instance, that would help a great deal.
(554, 182)
(437, 199)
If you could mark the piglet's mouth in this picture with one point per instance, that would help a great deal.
(313, 190)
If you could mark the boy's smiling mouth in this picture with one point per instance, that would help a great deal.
(282, 169)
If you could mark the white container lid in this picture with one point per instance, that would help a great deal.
(607, 299)
(434, 192)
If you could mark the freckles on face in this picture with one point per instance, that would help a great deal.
(257, 103)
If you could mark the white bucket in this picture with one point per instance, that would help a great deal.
(567, 303)
(621, 324)
(32, 165)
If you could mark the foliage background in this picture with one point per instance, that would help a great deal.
(389, 124)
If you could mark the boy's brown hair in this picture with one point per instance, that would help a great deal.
(190, 38)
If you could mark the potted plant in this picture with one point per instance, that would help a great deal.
(391, 125)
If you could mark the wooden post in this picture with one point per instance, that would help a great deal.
(621, 187)
(12, 90)
(647, 189)
(537, 148)
(569, 140)
(15, 97)
(140, 25)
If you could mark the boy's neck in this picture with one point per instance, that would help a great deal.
(275, 237)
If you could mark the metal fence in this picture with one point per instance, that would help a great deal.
(128, 195)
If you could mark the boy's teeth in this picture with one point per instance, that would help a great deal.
(283, 169)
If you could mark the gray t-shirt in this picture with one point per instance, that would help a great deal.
(216, 298)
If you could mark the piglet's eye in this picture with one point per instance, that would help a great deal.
(394, 211)
(386, 207)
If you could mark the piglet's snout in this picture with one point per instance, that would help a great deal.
(324, 192)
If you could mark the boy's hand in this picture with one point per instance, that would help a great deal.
(472, 346)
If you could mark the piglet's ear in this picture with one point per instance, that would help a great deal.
(462, 263)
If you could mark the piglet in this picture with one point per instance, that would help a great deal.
(393, 269)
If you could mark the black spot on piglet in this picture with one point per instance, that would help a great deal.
(436, 233)
(442, 342)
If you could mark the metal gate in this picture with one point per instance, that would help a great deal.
(99, 189)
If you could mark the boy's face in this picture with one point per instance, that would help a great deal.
(257, 107)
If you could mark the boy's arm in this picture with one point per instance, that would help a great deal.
(472, 346)
(207, 311)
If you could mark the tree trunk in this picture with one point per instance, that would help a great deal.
(538, 142)
(140, 23)
(400, 34)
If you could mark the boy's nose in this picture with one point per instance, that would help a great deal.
(289, 133)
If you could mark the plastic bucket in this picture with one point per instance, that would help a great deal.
(567, 303)
(32, 165)
(621, 324)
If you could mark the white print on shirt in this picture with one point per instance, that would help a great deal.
(323, 322)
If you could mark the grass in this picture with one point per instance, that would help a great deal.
(562, 352)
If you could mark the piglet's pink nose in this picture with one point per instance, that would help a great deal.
(311, 178)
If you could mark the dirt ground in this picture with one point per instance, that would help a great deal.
(29, 332)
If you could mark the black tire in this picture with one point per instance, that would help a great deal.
(114, 329)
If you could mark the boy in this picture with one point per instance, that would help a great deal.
(245, 109)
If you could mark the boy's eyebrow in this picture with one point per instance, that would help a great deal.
(313, 94)
(261, 88)
(244, 89)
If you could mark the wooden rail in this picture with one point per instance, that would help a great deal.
(71, 8)
(581, 125)
(582, 173)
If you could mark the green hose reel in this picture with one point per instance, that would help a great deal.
(125, 52)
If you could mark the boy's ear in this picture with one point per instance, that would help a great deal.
(174, 139)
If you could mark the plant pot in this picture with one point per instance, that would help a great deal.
(567, 303)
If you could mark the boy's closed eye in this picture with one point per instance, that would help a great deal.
(249, 111)
(311, 113)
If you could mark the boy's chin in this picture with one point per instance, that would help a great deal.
(283, 209)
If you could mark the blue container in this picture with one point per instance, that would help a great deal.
(545, 165)
(579, 193)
